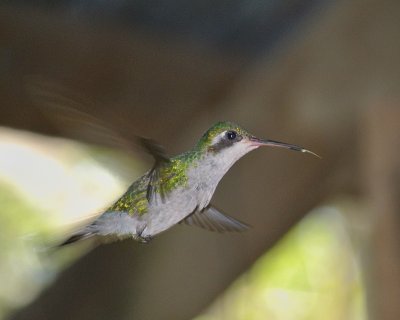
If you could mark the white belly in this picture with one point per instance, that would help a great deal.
(177, 205)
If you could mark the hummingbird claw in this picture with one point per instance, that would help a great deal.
(144, 240)
(140, 238)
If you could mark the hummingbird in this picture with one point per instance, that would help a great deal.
(178, 190)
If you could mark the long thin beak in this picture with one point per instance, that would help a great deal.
(271, 143)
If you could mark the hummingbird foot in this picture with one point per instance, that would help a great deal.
(144, 240)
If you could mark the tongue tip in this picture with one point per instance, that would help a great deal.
(313, 153)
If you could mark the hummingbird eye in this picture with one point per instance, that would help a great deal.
(231, 135)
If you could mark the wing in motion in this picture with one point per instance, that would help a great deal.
(63, 107)
(160, 157)
(212, 219)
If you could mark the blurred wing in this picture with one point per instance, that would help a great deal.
(154, 148)
(62, 106)
(213, 220)
(155, 190)
(157, 151)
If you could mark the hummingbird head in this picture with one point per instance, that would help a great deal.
(230, 141)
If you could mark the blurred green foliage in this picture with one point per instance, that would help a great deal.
(43, 181)
(312, 273)
(22, 231)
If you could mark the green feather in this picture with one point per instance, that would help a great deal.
(173, 174)
(206, 140)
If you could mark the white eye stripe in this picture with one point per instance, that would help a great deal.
(219, 137)
(222, 135)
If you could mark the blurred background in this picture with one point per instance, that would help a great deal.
(323, 74)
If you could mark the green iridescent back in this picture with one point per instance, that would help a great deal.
(172, 175)
(134, 200)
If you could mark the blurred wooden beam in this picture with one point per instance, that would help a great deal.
(134, 79)
(381, 155)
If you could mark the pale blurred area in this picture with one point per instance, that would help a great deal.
(324, 242)
(49, 186)
(56, 175)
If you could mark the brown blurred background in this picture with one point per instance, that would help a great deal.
(322, 74)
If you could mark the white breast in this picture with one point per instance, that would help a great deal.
(203, 179)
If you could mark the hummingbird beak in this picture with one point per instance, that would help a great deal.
(271, 143)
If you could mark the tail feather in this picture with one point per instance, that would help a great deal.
(76, 237)
(110, 226)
